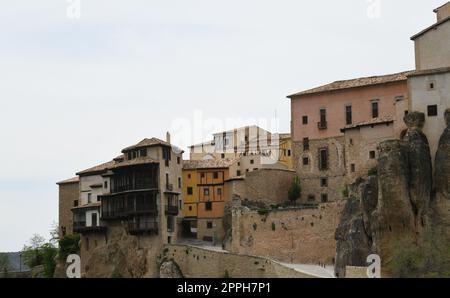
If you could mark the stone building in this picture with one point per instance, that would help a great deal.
(429, 85)
(432, 44)
(319, 114)
(205, 196)
(68, 198)
(257, 148)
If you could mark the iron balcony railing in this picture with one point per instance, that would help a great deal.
(322, 125)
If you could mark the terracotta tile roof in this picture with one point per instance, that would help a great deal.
(429, 72)
(98, 168)
(133, 162)
(147, 143)
(69, 181)
(430, 28)
(374, 121)
(355, 83)
(208, 164)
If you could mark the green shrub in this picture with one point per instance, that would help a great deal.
(68, 245)
(373, 171)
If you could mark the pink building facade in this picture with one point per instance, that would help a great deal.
(319, 118)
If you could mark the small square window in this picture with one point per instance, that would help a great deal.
(305, 161)
(324, 198)
(238, 173)
(305, 120)
(323, 182)
(252, 162)
(75, 203)
(222, 155)
(432, 110)
(190, 191)
(143, 152)
(431, 85)
(352, 167)
(216, 175)
(209, 225)
(190, 208)
(372, 154)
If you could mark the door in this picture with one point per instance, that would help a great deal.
(94, 219)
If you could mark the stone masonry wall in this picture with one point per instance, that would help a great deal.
(288, 235)
(196, 262)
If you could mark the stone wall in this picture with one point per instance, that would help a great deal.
(196, 262)
(266, 186)
(68, 194)
(304, 236)
(310, 175)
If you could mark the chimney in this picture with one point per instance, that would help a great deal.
(443, 12)
(168, 137)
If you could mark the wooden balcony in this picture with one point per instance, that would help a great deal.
(81, 228)
(135, 228)
(172, 210)
(322, 125)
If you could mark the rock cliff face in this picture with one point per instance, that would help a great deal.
(442, 180)
(397, 203)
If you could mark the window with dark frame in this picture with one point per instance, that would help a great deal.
(238, 173)
(323, 182)
(190, 191)
(305, 161)
(353, 168)
(179, 182)
(432, 110)
(348, 115)
(209, 225)
(305, 120)
(372, 154)
(208, 206)
(324, 198)
(323, 159)
(375, 109)
(216, 175)
(305, 144)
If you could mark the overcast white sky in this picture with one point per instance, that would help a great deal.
(73, 92)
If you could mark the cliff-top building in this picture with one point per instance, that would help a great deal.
(69, 193)
(372, 106)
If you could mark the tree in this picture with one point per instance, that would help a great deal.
(38, 252)
(295, 191)
(4, 264)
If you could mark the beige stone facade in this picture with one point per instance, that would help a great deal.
(305, 236)
(68, 198)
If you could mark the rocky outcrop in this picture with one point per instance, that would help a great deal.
(394, 205)
(354, 242)
(170, 269)
(442, 180)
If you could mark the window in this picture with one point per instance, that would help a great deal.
(209, 225)
(238, 173)
(305, 161)
(170, 224)
(167, 179)
(190, 191)
(305, 120)
(323, 159)
(208, 206)
(179, 182)
(87, 243)
(323, 115)
(372, 154)
(432, 110)
(375, 111)
(206, 192)
(89, 198)
(323, 182)
(222, 155)
(289, 153)
(324, 198)
(169, 239)
(106, 184)
(352, 168)
(129, 156)
(143, 152)
(189, 176)
(178, 160)
(219, 191)
(203, 175)
(216, 175)
(348, 115)
(351, 141)
(311, 198)
(252, 161)
(305, 144)
(94, 219)
(134, 154)
(190, 208)
(431, 85)
(75, 203)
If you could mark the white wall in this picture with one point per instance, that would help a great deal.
(85, 188)
(421, 98)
